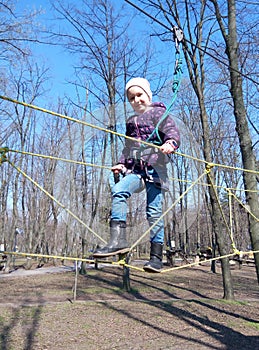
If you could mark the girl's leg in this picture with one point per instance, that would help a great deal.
(121, 192)
(155, 197)
(154, 212)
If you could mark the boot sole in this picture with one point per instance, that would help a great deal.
(151, 269)
(103, 255)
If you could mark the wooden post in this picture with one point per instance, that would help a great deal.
(126, 272)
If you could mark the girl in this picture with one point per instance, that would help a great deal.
(142, 167)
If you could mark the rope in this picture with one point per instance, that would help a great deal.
(176, 82)
(3, 151)
(176, 85)
(217, 164)
(221, 211)
(207, 171)
(216, 186)
(245, 207)
(207, 260)
(200, 48)
(56, 201)
(61, 159)
(47, 111)
(3, 158)
(118, 134)
(165, 213)
(47, 256)
(122, 261)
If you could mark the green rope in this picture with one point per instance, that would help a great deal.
(175, 88)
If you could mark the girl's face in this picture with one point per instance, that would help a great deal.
(138, 99)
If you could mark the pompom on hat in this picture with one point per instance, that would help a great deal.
(142, 83)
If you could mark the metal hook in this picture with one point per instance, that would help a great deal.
(177, 36)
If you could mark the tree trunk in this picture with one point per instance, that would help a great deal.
(245, 142)
(198, 85)
(216, 216)
(248, 157)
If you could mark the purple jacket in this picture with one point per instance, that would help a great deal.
(141, 127)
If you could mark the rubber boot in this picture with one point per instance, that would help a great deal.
(155, 263)
(117, 243)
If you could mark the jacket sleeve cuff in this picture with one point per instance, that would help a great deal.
(173, 143)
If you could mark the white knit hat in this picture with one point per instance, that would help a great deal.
(142, 83)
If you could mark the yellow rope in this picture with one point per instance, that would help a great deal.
(207, 260)
(208, 167)
(231, 219)
(216, 186)
(61, 159)
(56, 114)
(4, 150)
(47, 256)
(217, 164)
(116, 133)
(122, 261)
(222, 213)
(194, 263)
(207, 171)
(165, 213)
(245, 207)
(56, 201)
(109, 168)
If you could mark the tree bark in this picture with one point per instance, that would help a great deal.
(245, 142)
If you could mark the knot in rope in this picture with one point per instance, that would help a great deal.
(208, 167)
(121, 262)
(235, 250)
(3, 151)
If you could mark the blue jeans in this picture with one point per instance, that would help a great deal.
(130, 184)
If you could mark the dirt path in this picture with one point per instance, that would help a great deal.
(179, 310)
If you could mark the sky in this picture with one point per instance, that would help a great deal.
(59, 62)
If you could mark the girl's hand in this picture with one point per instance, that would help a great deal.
(168, 147)
(117, 168)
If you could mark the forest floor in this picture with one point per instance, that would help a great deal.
(181, 309)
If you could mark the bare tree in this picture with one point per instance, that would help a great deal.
(96, 35)
(229, 33)
(196, 63)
